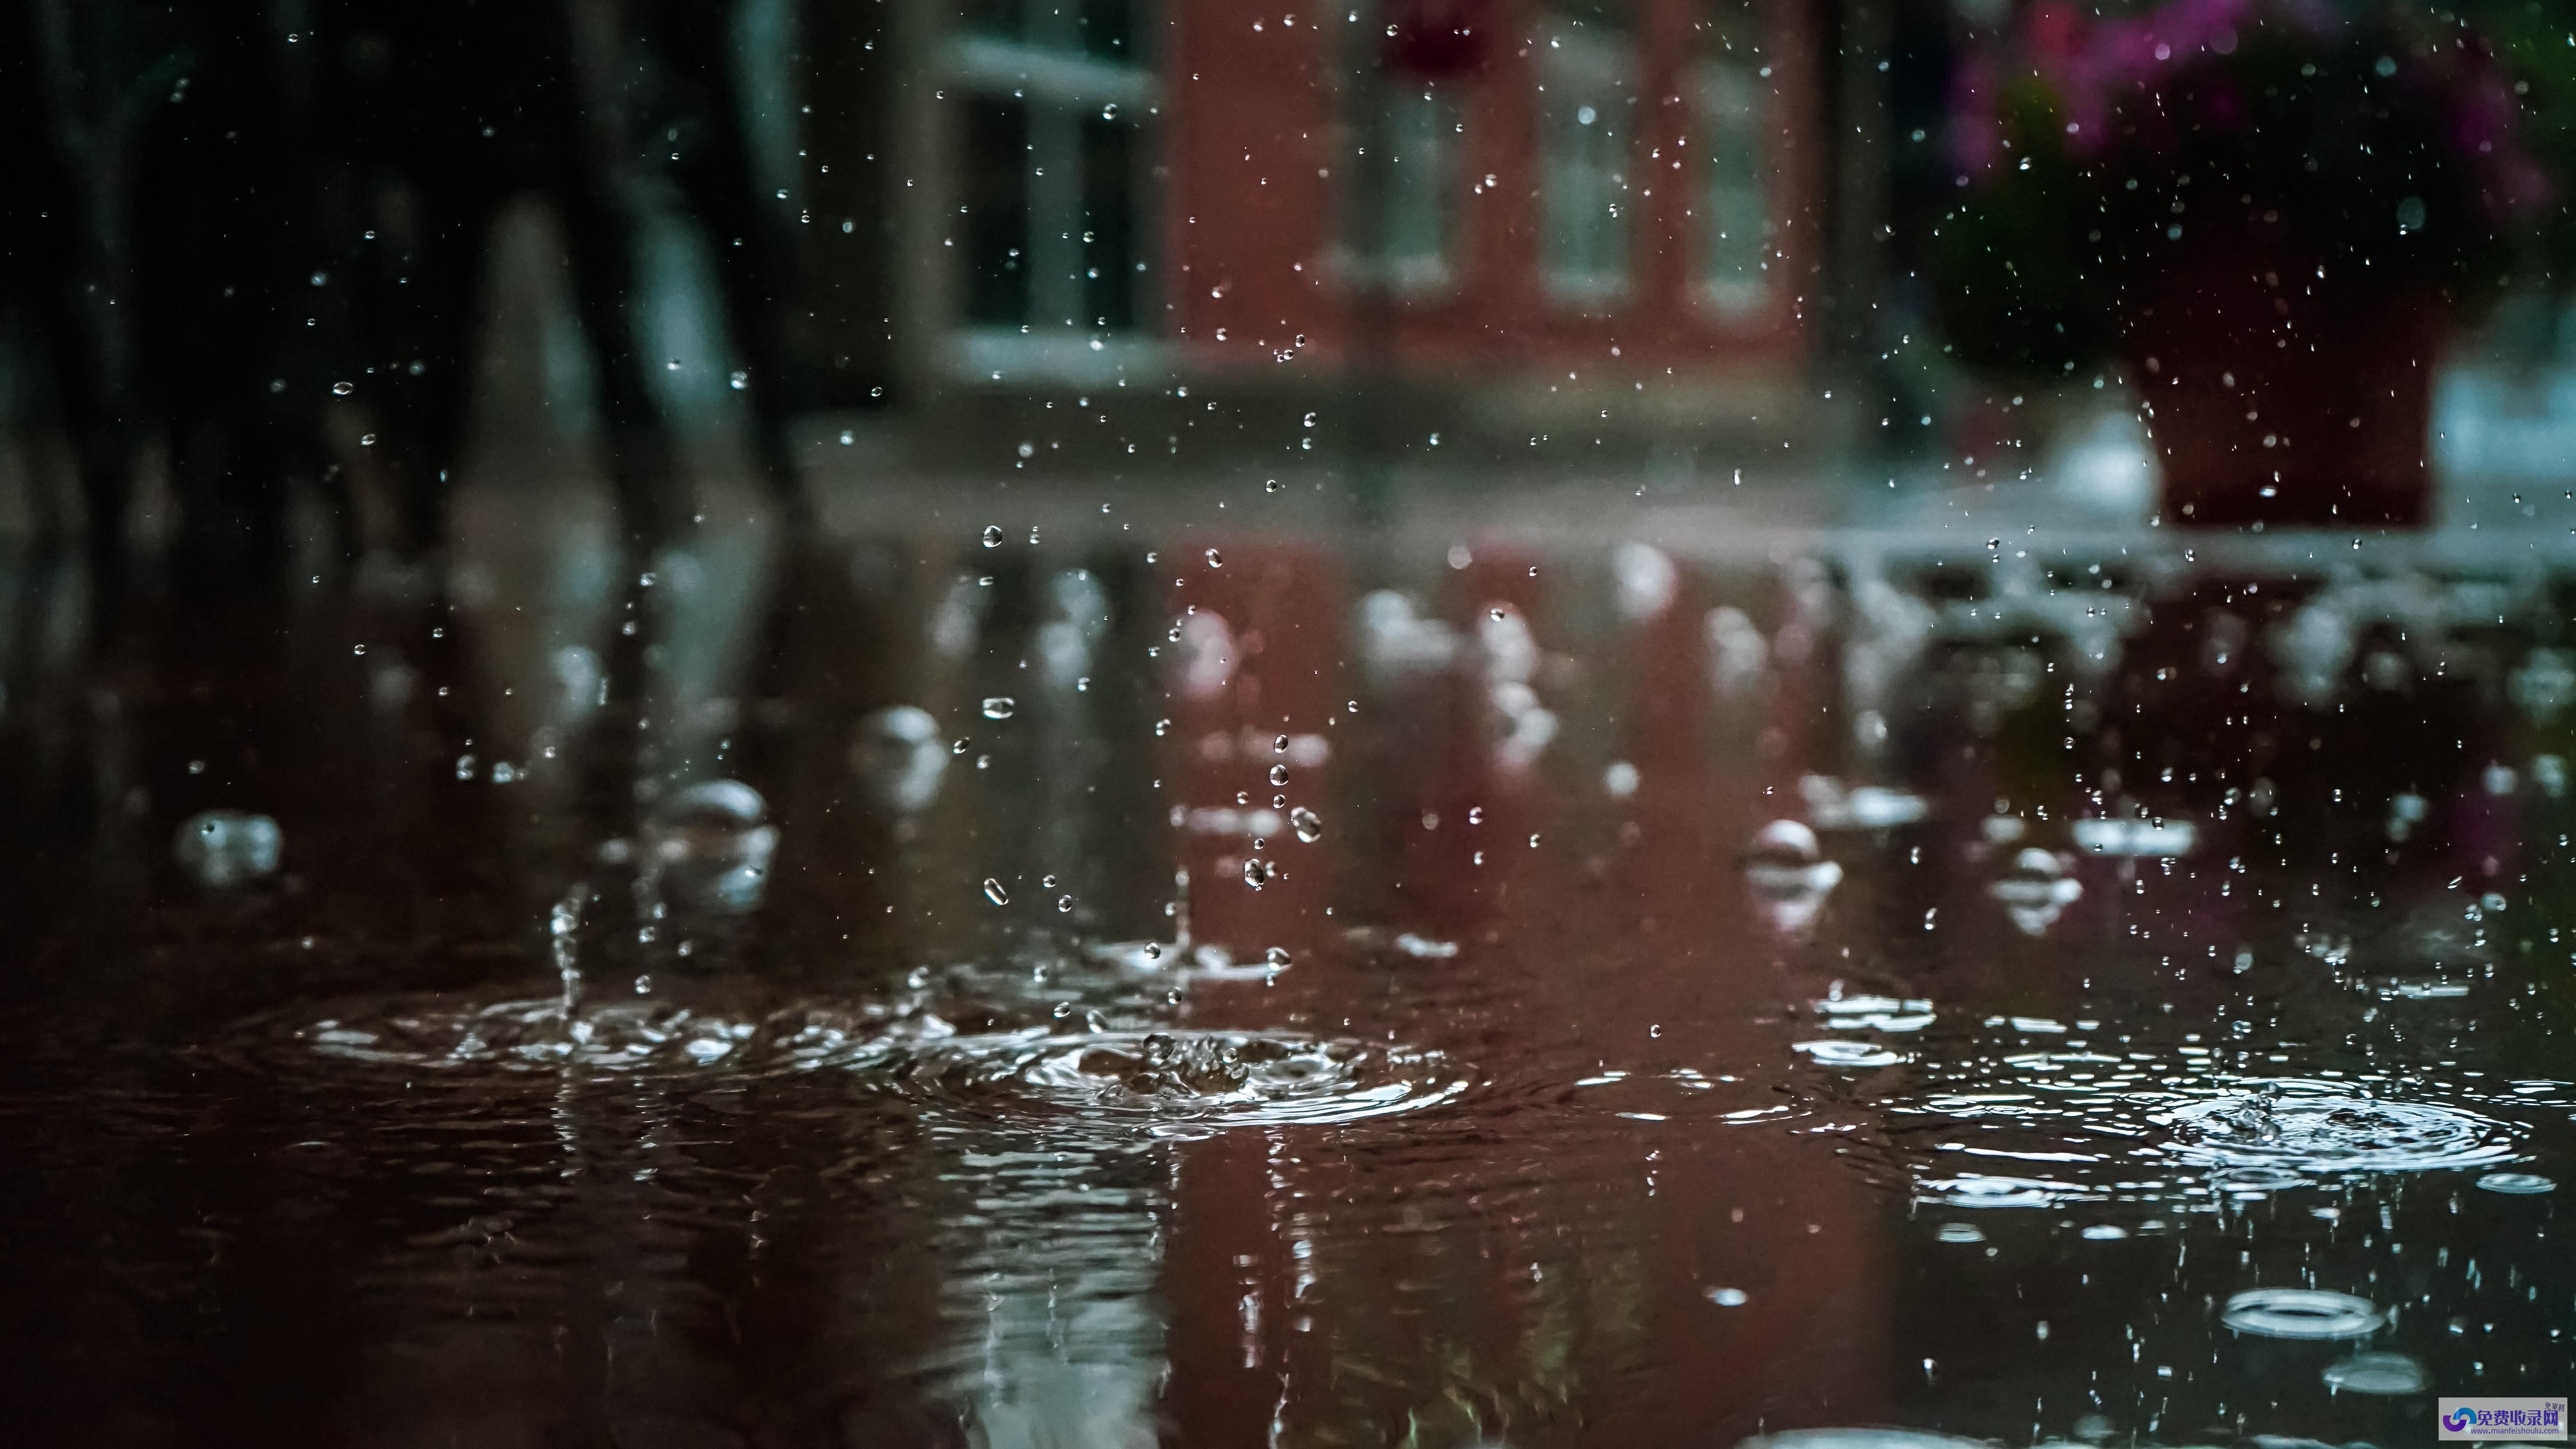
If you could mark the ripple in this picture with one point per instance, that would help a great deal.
(2517, 1182)
(1832, 1052)
(2378, 1373)
(2327, 1127)
(2301, 1313)
(1179, 1079)
(1977, 1190)
(1861, 1440)
(1873, 1013)
(643, 1037)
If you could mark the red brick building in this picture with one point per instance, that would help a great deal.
(1099, 190)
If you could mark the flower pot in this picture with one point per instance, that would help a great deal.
(2280, 395)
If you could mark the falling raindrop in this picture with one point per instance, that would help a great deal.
(1276, 956)
(1309, 826)
(993, 535)
(1256, 873)
(1728, 1297)
(1000, 706)
(1063, 905)
(1214, 561)
(993, 892)
(1279, 774)
(343, 389)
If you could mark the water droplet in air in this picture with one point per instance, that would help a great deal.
(1214, 561)
(343, 389)
(1277, 956)
(1279, 774)
(1000, 706)
(1063, 904)
(1279, 746)
(1256, 873)
(1728, 1297)
(1309, 826)
(993, 892)
(993, 535)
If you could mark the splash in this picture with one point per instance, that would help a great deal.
(1183, 1079)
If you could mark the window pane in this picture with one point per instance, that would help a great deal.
(1585, 115)
(1419, 176)
(1110, 253)
(1734, 210)
(995, 187)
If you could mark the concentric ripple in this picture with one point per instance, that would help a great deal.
(2311, 1126)
(1180, 1079)
(2143, 1125)
(2301, 1313)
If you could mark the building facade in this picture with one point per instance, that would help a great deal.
(1459, 195)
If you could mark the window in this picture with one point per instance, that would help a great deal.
(1586, 109)
(1051, 165)
(1405, 212)
(1735, 226)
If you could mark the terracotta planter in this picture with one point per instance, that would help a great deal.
(2280, 397)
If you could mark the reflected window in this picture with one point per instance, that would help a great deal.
(1053, 164)
(1405, 217)
(1731, 95)
(1586, 115)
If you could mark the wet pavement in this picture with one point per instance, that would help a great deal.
(1023, 976)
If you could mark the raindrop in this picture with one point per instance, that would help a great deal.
(993, 535)
(1214, 561)
(1000, 706)
(1279, 746)
(1256, 873)
(1728, 1297)
(1309, 826)
(993, 892)
(1063, 905)
(343, 389)
(1960, 1233)
(1270, 487)
(1276, 956)
(1279, 774)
